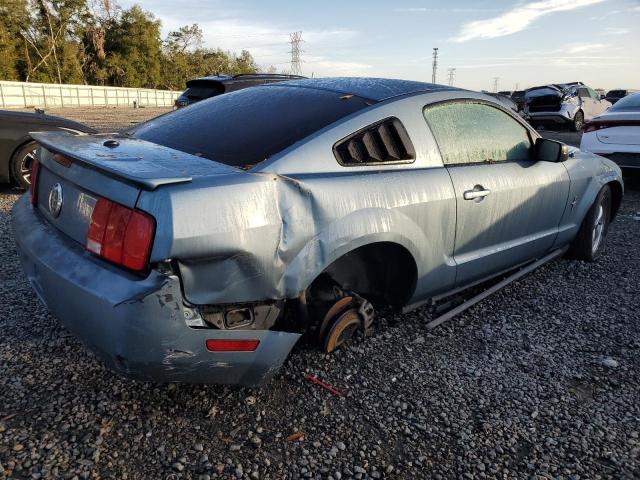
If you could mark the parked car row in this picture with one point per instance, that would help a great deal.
(563, 104)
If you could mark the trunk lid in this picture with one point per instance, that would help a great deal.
(75, 170)
(623, 128)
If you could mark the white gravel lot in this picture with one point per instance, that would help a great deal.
(541, 380)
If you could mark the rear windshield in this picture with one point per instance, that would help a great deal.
(631, 102)
(244, 128)
(199, 93)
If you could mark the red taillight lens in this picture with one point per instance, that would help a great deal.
(232, 345)
(33, 186)
(120, 234)
(594, 125)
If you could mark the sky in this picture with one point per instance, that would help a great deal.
(519, 43)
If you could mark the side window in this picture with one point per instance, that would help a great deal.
(469, 132)
(383, 142)
(583, 93)
(593, 94)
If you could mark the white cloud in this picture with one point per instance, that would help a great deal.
(517, 19)
(616, 31)
(335, 68)
(446, 10)
(584, 47)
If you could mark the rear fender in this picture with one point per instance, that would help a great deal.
(362, 227)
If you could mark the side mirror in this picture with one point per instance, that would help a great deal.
(547, 150)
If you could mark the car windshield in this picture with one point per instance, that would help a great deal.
(245, 127)
(631, 102)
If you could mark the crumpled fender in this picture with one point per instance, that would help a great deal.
(359, 228)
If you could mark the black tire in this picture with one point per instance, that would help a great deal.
(588, 243)
(578, 121)
(20, 165)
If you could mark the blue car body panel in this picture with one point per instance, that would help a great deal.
(264, 234)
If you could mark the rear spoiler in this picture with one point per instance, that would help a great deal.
(143, 164)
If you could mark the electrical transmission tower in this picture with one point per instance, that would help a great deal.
(296, 51)
(495, 83)
(435, 65)
(451, 72)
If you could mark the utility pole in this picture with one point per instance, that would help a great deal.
(495, 83)
(451, 72)
(296, 39)
(435, 65)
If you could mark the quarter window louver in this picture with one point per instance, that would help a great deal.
(383, 142)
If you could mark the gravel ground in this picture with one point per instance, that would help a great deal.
(541, 380)
(106, 119)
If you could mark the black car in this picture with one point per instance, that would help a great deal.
(505, 100)
(206, 87)
(518, 97)
(614, 95)
(17, 149)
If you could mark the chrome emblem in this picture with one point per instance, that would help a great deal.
(55, 200)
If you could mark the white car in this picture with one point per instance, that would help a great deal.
(563, 104)
(616, 133)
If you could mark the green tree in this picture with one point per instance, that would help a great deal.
(13, 20)
(133, 48)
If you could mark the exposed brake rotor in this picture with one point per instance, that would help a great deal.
(347, 316)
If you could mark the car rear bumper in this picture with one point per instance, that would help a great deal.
(136, 326)
(548, 118)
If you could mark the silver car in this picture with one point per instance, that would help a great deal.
(201, 245)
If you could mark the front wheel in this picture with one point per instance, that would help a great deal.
(21, 164)
(588, 243)
(578, 121)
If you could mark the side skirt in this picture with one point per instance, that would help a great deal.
(521, 272)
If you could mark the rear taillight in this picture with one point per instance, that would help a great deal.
(594, 125)
(33, 186)
(232, 345)
(120, 234)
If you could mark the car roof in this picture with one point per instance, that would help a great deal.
(375, 89)
(243, 77)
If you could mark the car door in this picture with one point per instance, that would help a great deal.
(588, 105)
(508, 205)
(599, 106)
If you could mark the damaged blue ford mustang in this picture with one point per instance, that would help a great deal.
(201, 245)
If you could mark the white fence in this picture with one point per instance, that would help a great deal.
(49, 95)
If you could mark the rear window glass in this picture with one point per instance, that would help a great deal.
(632, 102)
(244, 128)
(198, 93)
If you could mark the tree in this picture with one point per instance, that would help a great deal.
(96, 42)
(133, 48)
(13, 20)
(52, 40)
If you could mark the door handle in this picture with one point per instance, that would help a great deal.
(476, 193)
